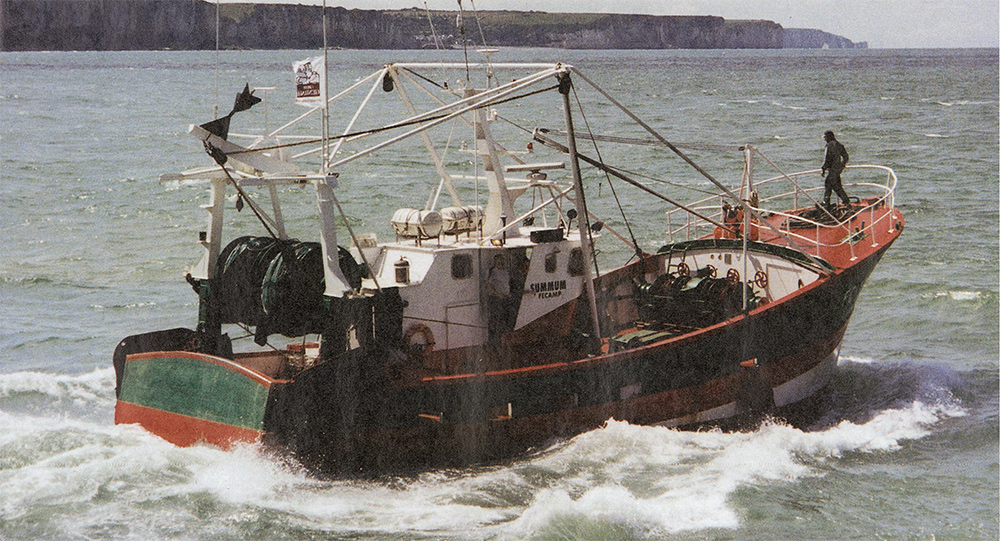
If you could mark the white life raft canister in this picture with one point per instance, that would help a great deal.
(413, 223)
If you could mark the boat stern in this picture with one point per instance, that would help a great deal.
(188, 398)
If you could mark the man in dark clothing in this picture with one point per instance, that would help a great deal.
(835, 162)
(499, 305)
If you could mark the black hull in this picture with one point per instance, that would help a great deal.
(346, 416)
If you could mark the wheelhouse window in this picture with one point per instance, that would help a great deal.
(551, 261)
(461, 266)
(576, 262)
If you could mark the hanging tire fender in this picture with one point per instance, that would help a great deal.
(413, 350)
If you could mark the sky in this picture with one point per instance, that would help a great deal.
(882, 23)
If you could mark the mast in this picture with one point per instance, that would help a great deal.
(336, 283)
(326, 98)
(565, 84)
(746, 191)
(215, 110)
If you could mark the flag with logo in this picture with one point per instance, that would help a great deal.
(310, 80)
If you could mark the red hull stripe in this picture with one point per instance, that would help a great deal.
(183, 430)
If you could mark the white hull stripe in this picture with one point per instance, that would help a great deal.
(787, 393)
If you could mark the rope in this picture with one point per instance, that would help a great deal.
(435, 83)
(219, 158)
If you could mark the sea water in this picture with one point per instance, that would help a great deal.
(93, 248)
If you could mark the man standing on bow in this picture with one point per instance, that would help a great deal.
(835, 162)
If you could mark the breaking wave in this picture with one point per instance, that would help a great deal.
(92, 479)
(59, 394)
(698, 471)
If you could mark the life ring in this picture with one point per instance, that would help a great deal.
(421, 352)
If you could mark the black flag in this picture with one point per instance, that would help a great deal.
(244, 101)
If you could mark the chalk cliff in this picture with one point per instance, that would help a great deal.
(810, 38)
(190, 24)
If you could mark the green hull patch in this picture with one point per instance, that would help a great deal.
(195, 388)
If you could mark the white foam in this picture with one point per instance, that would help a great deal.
(847, 359)
(649, 481)
(957, 295)
(96, 386)
(791, 107)
(60, 460)
(699, 471)
(965, 295)
(427, 506)
(556, 509)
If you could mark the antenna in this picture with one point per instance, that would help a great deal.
(264, 90)
(486, 50)
(460, 23)
(326, 101)
(489, 64)
(437, 44)
(215, 109)
(478, 23)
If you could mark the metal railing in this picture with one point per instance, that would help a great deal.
(788, 204)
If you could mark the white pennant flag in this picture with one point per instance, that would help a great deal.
(310, 81)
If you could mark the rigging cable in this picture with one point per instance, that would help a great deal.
(220, 158)
(326, 97)
(404, 124)
(432, 203)
(475, 175)
(662, 181)
(607, 175)
(424, 77)
(562, 148)
(630, 141)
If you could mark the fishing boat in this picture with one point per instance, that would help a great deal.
(489, 326)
